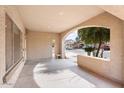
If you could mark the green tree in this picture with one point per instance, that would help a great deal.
(89, 49)
(94, 35)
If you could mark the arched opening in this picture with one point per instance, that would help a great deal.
(71, 46)
(96, 44)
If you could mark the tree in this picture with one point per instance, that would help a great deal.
(94, 35)
(89, 49)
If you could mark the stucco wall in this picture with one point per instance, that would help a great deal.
(14, 15)
(113, 69)
(97, 65)
(2, 43)
(123, 57)
(39, 44)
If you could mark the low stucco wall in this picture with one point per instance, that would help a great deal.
(97, 65)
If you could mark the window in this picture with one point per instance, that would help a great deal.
(13, 43)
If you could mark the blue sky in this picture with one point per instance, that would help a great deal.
(72, 36)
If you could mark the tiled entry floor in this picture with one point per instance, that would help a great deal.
(62, 73)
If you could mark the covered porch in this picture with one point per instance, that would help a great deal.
(28, 37)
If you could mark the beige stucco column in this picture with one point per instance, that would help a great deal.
(2, 43)
(123, 56)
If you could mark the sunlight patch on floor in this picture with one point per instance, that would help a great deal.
(58, 78)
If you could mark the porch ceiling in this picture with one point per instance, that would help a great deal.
(56, 18)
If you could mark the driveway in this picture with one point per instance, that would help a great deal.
(72, 54)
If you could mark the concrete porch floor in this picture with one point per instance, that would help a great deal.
(59, 73)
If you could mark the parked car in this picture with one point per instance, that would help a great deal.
(106, 47)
